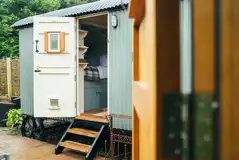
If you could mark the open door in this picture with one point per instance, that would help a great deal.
(54, 67)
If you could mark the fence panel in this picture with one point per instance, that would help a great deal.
(11, 75)
(3, 77)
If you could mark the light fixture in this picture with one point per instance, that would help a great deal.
(114, 21)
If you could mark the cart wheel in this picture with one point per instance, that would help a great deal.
(27, 126)
(38, 129)
(32, 128)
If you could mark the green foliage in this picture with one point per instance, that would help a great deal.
(13, 10)
(42, 6)
(8, 36)
(14, 118)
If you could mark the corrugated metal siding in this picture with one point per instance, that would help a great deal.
(26, 70)
(93, 7)
(120, 69)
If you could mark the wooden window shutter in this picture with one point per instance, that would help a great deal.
(46, 41)
(62, 42)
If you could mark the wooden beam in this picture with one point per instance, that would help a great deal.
(95, 24)
(156, 71)
(168, 59)
(9, 77)
(229, 94)
(137, 11)
(204, 71)
(92, 15)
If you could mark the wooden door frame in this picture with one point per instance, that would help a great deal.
(229, 92)
(163, 17)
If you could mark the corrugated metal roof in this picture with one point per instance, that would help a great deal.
(97, 6)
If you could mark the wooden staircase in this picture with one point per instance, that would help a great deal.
(85, 134)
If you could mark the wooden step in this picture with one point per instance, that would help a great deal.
(84, 148)
(83, 132)
(92, 118)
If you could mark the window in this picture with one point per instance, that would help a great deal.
(54, 42)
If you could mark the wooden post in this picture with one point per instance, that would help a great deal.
(229, 91)
(156, 73)
(9, 77)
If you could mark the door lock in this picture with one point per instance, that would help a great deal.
(37, 70)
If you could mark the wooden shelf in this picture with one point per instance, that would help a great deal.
(82, 50)
(83, 33)
(83, 63)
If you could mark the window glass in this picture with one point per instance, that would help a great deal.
(54, 42)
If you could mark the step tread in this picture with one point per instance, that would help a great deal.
(92, 118)
(83, 132)
(84, 148)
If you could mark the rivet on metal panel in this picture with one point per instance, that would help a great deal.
(177, 151)
(171, 135)
(183, 135)
(201, 104)
(214, 104)
(171, 119)
(207, 138)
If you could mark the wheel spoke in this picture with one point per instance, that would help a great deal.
(32, 127)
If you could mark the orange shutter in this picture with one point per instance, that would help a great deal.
(62, 42)
(46, 41)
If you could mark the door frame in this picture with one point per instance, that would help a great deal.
(80, 106)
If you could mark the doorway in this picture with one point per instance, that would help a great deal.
(93, 54)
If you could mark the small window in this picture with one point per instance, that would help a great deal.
(54, 42)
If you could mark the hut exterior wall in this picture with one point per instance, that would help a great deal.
(120, 68)
(26, 70)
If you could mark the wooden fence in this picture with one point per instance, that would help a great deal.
(9, 77)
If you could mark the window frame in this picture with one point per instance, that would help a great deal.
(61, 42)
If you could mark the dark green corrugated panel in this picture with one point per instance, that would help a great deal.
(203, 126)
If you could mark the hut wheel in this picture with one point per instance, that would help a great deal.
(38, 129)
(32, 128)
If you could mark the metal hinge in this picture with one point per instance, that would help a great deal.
(75, 77)
(75, 104)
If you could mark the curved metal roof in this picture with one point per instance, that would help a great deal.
(93, 7)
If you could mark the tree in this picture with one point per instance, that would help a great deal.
(8, 36)
(69, 3)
